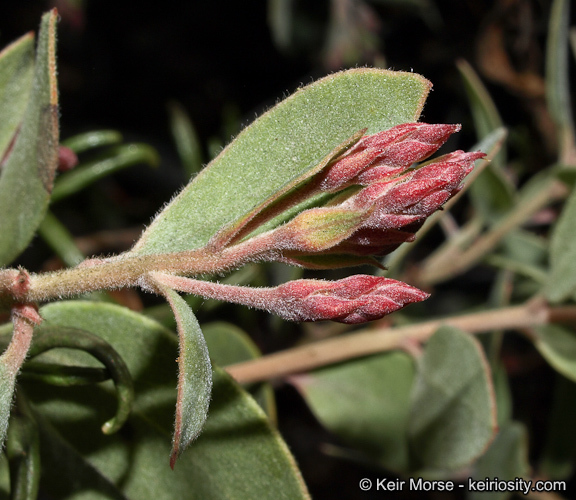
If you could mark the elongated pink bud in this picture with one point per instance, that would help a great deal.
(416, 194)
(355, 299)
(386, 154)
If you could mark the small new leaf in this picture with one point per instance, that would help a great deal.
(194, 374)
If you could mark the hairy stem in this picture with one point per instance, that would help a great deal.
(322, 353)
(24, 318)
(126, 271)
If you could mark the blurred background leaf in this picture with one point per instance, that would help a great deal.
(27, 175)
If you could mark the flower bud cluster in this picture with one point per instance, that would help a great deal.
(377, 200)
(381, 198)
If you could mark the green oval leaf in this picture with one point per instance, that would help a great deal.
(558, 346)
(237, 444)
(28, 174)
(283, 144)
(16, 73)
(453, 415)
(367, 403)
(505, 459)
(562, 278)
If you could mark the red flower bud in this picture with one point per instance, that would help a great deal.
(386, 154)
(415, 195)
(374, 220)
(67, 159)
(355, 299)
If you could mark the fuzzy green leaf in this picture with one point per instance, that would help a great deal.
(366, 402)
(194, 377)
(16, 73)
(506, 459)
(27, 176)
(562, 279)
(558, 346)
(283, 144)
(238, 455)
(453, 415)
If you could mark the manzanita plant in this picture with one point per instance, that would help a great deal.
(361, 199)
(339, 174)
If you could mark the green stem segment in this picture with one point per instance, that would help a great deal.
(127, 270)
